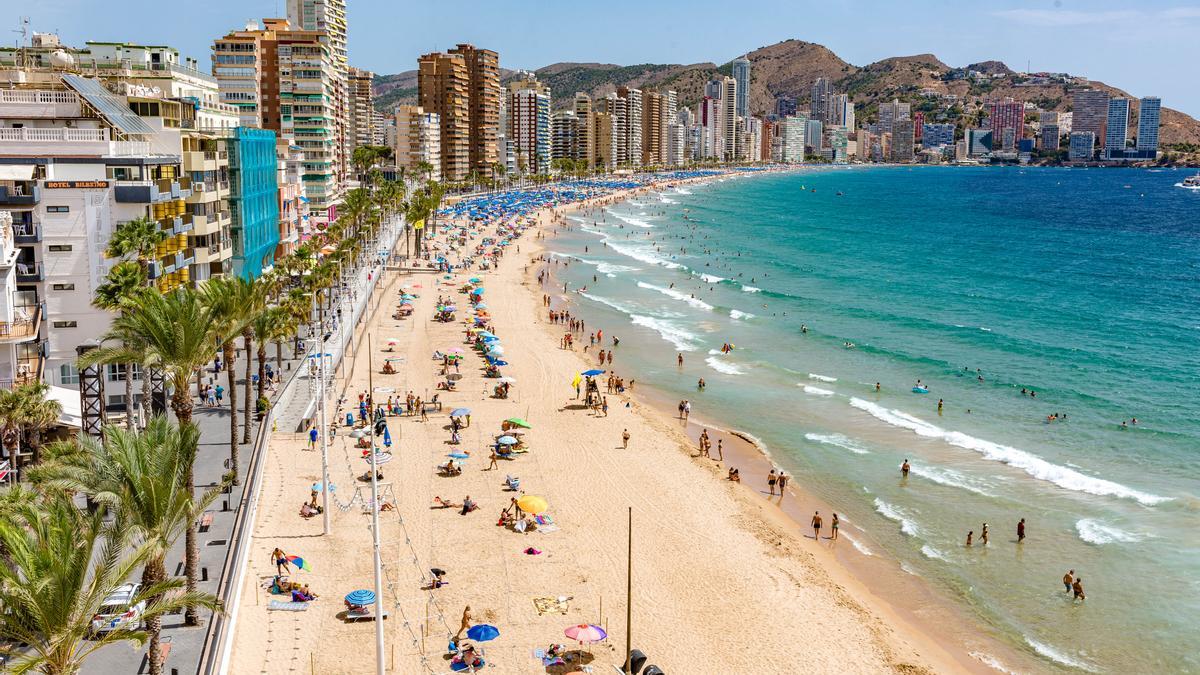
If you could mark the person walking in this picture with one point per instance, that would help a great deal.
(625, 439)
(833, 526)
(312, 438)
(783, 479)
(1077, 587)
(1021, 531)
(983, 536)
(282, 566)
(1068, 579)
(771, 479)
(816, 525)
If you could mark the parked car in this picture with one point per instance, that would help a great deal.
(118, 612)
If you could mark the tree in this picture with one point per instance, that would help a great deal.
(138, 239)
(140, 478)
(178, 330)
(125, 282)
(26, 411)
(60, 565)
(232, 302)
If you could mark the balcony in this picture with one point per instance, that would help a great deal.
(20, 193)
(23, 327)
(30, 273)
(27, 233)
(21, 103)
(151, 191)
(181, 224)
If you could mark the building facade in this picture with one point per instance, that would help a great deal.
(254, 201)
(418, 141)
(741, 73)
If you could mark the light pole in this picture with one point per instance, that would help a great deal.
(375, 510)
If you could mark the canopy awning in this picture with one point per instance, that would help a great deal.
(72, 407)
(16, 172)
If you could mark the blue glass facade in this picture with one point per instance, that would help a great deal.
(254, 200)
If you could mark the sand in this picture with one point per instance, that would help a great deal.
(723, 582)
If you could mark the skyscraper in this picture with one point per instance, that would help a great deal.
(632, 131)
(585, 139)
(323, 15)
(1116, 131)
(741, 73)
(418, 140)
(483, 70)
(463, 87)
(890, 113)
(1006, 119)
(1090, 110)
(359, 103)
(652, 129)
(1148, 123)
(903, 136)
(729, 125)
(819, 101)
(529, 124)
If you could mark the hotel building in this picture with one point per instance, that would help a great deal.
(418, 140)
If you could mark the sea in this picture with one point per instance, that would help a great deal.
(1013, 295)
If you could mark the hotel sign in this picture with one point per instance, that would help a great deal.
(76, 184)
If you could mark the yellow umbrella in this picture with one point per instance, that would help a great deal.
(578, 378)
(533, 504)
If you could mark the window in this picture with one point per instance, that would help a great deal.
(63, 287)
(66, 324)
(58, 209)
(60, 248)
(68, 374)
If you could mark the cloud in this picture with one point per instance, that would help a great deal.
(1061, 17)
(1181, 13)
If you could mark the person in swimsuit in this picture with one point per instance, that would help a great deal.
(771, 478)
(1068, 579)
(625, 439)
(904, 468)
(1077, 587)
(1021, 531)
(783, 479)
(281, 562)
(833, 525)
(970, 537)
(816, 525)
(983, 536)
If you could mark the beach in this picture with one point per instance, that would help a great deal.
(723, 581)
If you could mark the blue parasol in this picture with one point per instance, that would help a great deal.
(592, 373)
(360, 597)
(459, 455)
(483, 632)
(387, 438)
(506, 440)
(460, 412)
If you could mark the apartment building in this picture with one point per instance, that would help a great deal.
(360, 104)
(418, 141)
(585, 148)
(528, 120)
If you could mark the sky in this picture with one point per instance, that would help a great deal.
(1146, 47)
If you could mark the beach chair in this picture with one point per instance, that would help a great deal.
(287, 606)
(513, 483)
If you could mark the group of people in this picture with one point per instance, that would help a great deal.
(706, 446)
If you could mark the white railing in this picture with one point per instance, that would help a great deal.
(53, 135)
(37, 97)
(129, 148)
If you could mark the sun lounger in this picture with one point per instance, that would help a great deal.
(363, 614)
(551, 605)
(285, 606)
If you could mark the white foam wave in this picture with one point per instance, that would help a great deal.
(839, 441)
(708, 278)
(932, 553)
(1095, 532)
(1031, 464)
(682, 191)
(858, 545)
(610, 303)
(751, 289)
(897, 514)
(821, 378)
(672, 293)
(1058, 657)
(950, 478)
(723, 366)
(992, 662)
(666, 200)
(815, 391)
(642, 255)
(904, 566)
(739, 314)
(680, 338)
(636, 222)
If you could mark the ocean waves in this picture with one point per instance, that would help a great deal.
(899, 515)
(725, 367)
(631, 220)
(677, 295)
(815, 391)
(1029, 463)
(682, 340)
(1095, 532)
(643, 255)
(952, 478)
(838, 440)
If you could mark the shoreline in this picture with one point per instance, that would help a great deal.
(908, 602)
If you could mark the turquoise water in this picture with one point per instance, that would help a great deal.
(1080, 285)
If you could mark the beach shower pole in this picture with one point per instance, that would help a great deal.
(629, 598)
(375, 510)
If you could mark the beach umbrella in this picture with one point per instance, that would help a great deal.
(477, 291)
(496, 349)
(459, 455)
(358, 433)
(576, 380)
(454, 377)
(387, 438)
(507, 379)
(460, 412)
(474, 280)
(483, 632)
(533, 504)
(498, 362)
(392, 341)
(592, 373)
(506, 440)
(360, 597)
(381, 458)
(406, 296)
(517, 421)
(481, 305)
(455, 350)
(586, 633)
(299, 563)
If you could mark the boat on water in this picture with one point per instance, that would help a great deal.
(1191, 182)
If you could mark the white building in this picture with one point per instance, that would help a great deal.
(418, 140)
(793, 132)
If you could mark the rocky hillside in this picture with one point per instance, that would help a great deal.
(791, 67)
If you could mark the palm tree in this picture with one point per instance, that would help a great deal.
(271, 324)
(25, 411)
(138, 238)
(140, 478)
(60, 565)
(427, 169)
(179, 332)
(233, 303)
(121, 288)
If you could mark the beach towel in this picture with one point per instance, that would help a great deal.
(550, 605)
(545, 524)
(284, 606)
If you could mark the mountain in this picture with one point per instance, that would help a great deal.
(789, 68)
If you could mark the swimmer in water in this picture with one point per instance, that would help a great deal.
(904, 468)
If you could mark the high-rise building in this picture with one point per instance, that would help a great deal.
(670, 108)
(329, 17)
(1049, 137)
(785, 106)
(1149, 109)
(979, 142)
(286, 80)
(890, 113)
(483, 72)
(1089, 112)
(741, 73)
(564, 134)
(630, 127)
(653, 148)
(1081, 146)
(529, 125)
(903, 140)
(1006, 119)
(937, 135)
(794, 131)
(617, 109)
(585, 143)
(360, 107)
(254, 200)
(814, 137)
(604, 135)
(418, 147)
(708, 144)
(729, 125)
(443, 87)
(918, 119)
(819, 99)
(1116, 131)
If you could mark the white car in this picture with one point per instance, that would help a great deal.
(117, 612)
